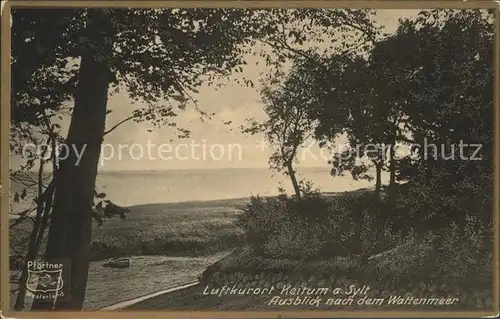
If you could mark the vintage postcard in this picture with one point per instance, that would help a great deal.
(245, 159)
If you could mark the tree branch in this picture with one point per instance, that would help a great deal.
(120, 123)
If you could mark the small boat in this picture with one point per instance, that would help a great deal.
(120, 262)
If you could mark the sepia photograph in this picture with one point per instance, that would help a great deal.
(245, 159)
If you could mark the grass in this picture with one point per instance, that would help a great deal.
(180, 229)
(174, 229)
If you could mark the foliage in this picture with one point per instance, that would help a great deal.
(453, 115)
(447, 259)
(404, 244)
(354, 223)
(382, 98)
(292, 227)
(261, 217)
(287, 128)
(176, 48)
(285, 97)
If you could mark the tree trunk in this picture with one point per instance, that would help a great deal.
(44, 206)
(71, 220)
(378, 178)
(392, 167)
(31, 254)
(293, 178)
(34, 243)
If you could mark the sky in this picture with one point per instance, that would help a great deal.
(212, 144)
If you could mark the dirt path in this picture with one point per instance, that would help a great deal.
(147, 274)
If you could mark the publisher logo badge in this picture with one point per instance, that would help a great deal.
(46, 280)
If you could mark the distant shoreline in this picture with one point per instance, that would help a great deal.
(224, 201)
(227, 201)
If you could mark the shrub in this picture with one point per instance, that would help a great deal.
(295, 239)
(312, 207)
(260, 218)
(449, 259)
(300, 228)
(316, 226)
(464, 257)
